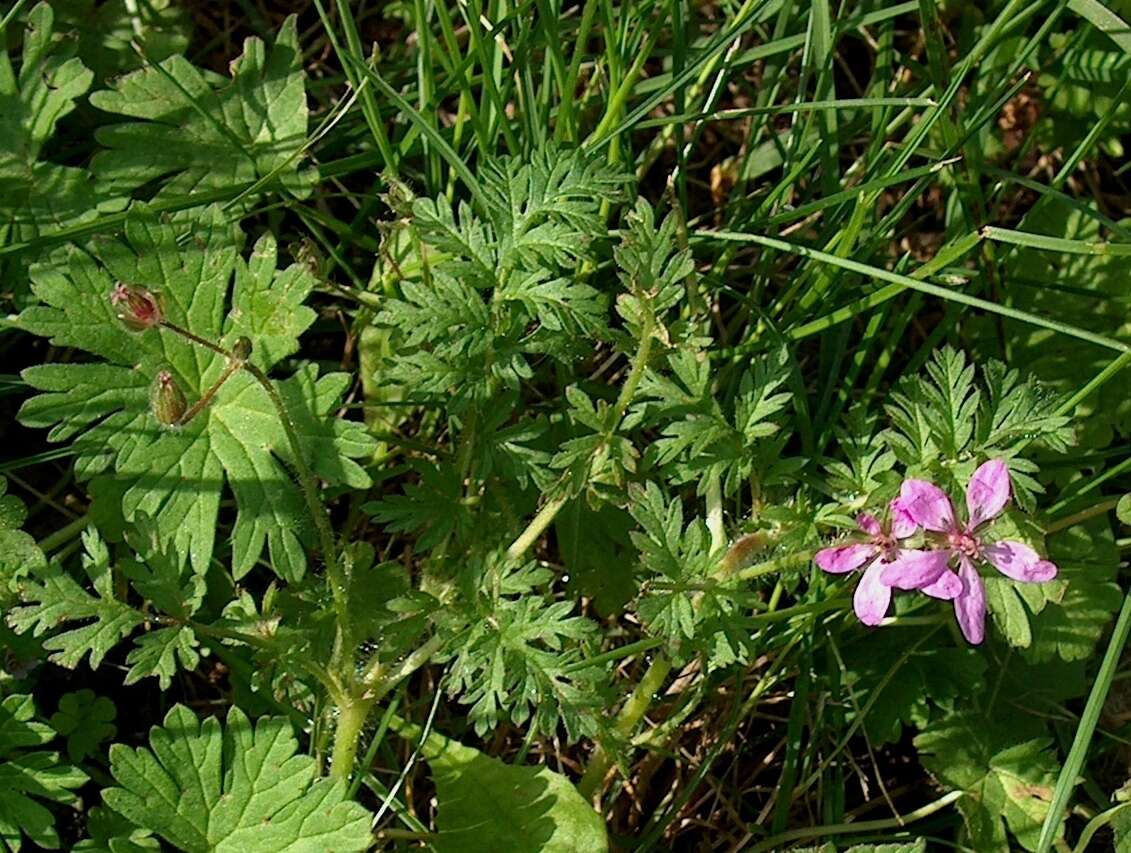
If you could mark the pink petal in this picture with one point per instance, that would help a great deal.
(844, 558)
(988, 492)
(927, 505)
(872, 596)
(1018, 561)
(867, 522)
(902, 524)
(915, 569)
(970, 604)
(948, 586)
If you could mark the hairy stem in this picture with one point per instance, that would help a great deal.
(195, 339)
(339, 581)
(352, 710)
(378, 683)
(714, 500)
(352, 714)
(206, 398)
(628, 718)
(536, 527)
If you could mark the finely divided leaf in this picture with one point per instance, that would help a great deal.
(208, 789)
(503, 284)
(54, 597)
(515, 658)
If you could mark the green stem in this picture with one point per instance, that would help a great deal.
(196, 339)
(714, 500)
(1102, 508)
(778, 841)
(339, 582)
(352, 710)
(378, 683)
(639, 362)
(352, 715)
(206, 398)
(630, 715)
(64, 534)
(547, 514)
(536, 528)
(786, 561)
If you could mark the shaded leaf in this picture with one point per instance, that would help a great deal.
(197, 135)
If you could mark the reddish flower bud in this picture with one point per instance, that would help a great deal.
(166, 401)
(136, 307)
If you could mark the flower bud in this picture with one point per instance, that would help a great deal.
(166, 401)
(241, 349)
(136, 307)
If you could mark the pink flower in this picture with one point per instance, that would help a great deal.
(987, 493)
(885, 558)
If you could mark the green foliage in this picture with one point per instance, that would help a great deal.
(487, 806)
(54, 597)
(206, 787)
(679, 556)
(107, 32)
(1085, 593)
(500, 290)
(19, 553)
(518, 656)
(908, 682)
(571, 439)
(653, 271)
(177, 476)
(37, 194)
(1082, 87)
(197, 133)
(1087, 290)
(1007, 778)
(701, 439)
(868, 461)
(109, 832)
(942, 422)
(29, 775)
(85, 720)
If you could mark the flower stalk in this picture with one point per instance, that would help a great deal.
(140, 309)
(546, 515)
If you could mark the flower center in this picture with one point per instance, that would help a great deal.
(964, 543)
(887, 545)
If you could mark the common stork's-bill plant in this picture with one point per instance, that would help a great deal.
(547, 430)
